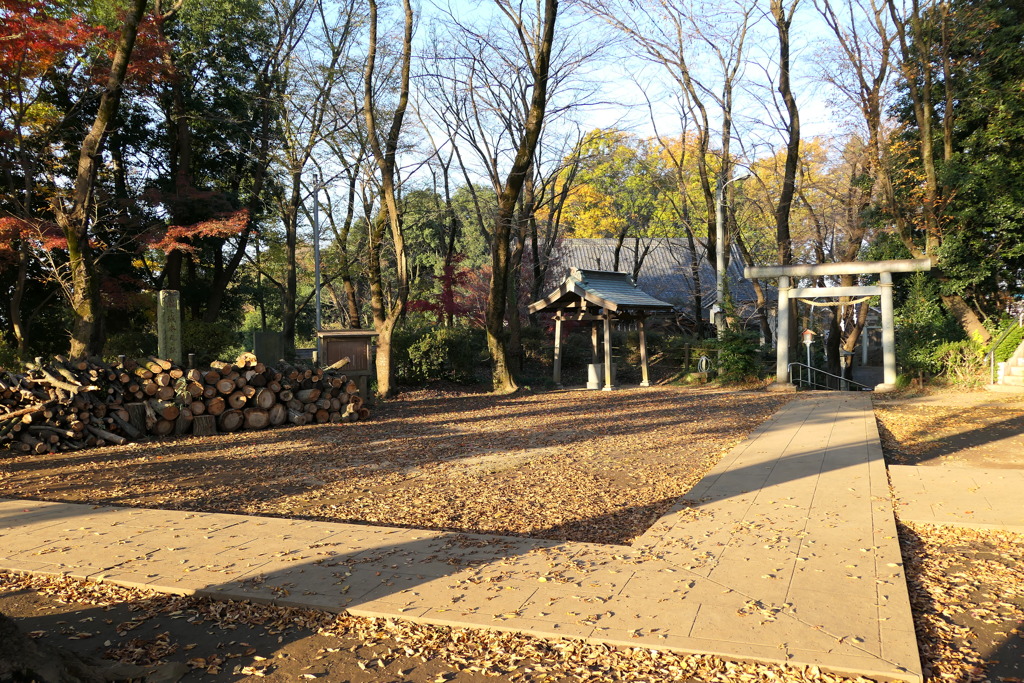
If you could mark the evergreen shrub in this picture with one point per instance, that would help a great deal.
(9, 359)
(923, 327)
(443, 353)
(212, 341)
(960, 362)
(1010, 343)
(739, 357)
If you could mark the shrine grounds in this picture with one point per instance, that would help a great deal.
(592, 467)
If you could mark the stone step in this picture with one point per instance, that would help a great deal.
(1013, 380)
(1013, 371)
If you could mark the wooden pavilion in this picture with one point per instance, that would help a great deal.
(600, 296)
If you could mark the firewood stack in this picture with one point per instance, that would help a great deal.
(68, 405)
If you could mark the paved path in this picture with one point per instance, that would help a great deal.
(960, 496)
(785, 552)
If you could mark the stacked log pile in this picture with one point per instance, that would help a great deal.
(67, 405)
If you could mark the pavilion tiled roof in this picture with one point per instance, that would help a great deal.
(666, 273)
(601, 288)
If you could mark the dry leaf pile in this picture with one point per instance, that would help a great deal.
(582, 466)
(967, 594)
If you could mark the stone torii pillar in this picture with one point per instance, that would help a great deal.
(885, 269)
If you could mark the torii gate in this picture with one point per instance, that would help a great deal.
(885, 269)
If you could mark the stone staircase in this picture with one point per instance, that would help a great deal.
(1013, 370)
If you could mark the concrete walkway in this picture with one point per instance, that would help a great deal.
(971, 497)
(785, 552)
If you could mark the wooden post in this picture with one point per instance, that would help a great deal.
(608, 379)
(204, 425)
(168, 325)
(557, 369)
(137, 416)
(594, 358)
(645, 380)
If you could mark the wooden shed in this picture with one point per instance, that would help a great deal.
(600, 297)
(357, 346)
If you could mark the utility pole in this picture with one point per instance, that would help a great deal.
(317, 186)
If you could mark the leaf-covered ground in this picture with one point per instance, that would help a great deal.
(223, 642)
(974, 428)
(967, 594)
(608, 463)
(574, 465)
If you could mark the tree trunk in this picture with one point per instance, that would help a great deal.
(501, 375)
(24, 659)
(782, 210)
(385, 158)
(351, 302)
(179, 136)
(762, 303)
(18, 295)
(288, 304)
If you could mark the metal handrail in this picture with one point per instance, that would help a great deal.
(849, 383)
(995, 347)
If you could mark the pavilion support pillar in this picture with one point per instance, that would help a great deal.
(645, 380)
(782, 336)
(594, 371)
(888, 336)
(557, 365)
(608, 369)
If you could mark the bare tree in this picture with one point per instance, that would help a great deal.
(343, 245)
(383, 149)
(289, 18)
(675, 35)
(552, 191)
(313, 80)
(493, 90)
(537, 47)
(861, 71)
